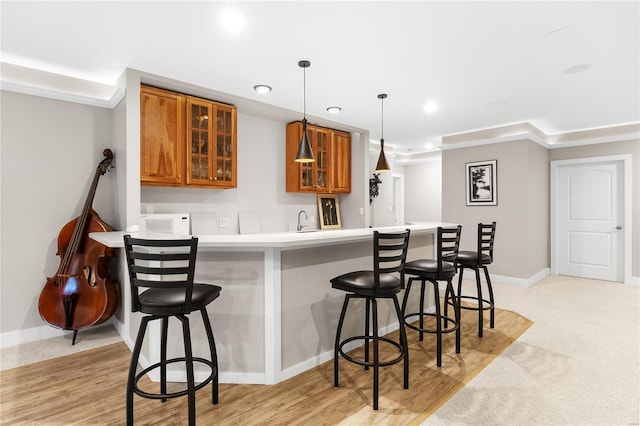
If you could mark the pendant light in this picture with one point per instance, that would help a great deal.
(305, 154)
(383, 165)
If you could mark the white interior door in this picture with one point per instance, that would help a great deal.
(589, 220)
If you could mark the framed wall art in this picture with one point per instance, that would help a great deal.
(329, 211)
(482, 183)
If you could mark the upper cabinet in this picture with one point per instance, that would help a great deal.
(161, 137)
(331, 172)
(186, 141)
(211, 142)
(340, 150)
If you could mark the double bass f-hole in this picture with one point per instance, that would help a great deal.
(77, 279)
(82, 293)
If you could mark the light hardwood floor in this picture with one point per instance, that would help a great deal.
(88, 388)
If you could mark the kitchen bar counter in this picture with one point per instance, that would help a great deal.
(282, 240)
(277, 313)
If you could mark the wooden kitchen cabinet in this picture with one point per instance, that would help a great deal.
(161, 137)
(340, 161)
(331, 172)
(211, 144)
(186, 141)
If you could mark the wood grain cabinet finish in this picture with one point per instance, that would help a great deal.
(340, 161)
(186, 141)
(211, 144)
(161, 137)
(331, 172)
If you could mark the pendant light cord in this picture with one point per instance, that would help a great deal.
(304, 92)
(382, 121)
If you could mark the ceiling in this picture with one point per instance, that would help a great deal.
(562, 66)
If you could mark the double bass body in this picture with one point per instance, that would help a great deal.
(81, 293)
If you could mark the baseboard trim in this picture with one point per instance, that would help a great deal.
(35, 334)
(513, 281)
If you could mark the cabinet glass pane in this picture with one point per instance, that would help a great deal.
(220, 146)
(228, 146)
(220, 171)
(223, 121)
(199, 167)
(199, 117)
(307, 176)
(227, 170)
(224, 170)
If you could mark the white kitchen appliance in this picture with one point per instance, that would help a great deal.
(165, 223)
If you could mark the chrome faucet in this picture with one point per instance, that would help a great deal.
(306, 218)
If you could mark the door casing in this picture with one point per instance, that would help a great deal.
(626, 206)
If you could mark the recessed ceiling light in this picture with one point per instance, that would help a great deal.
(430, 107)
(428, 145)
(577, 69)
(233, 21)
(334, 109)
(262, 88)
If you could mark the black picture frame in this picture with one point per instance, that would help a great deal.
(482, 183)
(329, 211)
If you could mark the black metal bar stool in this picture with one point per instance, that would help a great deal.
(433, 270)
(384, 282)
(477, 260)
(166, 269)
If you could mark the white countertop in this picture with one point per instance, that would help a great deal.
(282, 240)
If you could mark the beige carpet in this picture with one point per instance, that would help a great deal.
(90, 338)
(578, 364)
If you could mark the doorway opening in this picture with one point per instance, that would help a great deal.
(398, 199)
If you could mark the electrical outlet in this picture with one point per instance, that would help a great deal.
(224, 222)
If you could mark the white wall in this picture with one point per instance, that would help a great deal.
(423, 191)
(522, 191)
(382, 206)
(50, 151)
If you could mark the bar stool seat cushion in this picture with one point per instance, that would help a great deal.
(363, 282)
(428, 268)
(167, 298)
(471, 258)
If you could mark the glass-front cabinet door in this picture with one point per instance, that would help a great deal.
(225, 167)
(313, 176)
(211, 143)
(321, 151)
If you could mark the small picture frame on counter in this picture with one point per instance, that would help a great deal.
(329, 211)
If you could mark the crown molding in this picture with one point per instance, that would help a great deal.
(110, 103)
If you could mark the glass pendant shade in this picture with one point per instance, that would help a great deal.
(383, 165)
(305, 154)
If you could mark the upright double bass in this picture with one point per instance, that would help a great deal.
(81, 293)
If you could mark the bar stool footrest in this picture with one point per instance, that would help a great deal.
(370, 363)
(183, 392)
(486, 304)
(450, 329)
